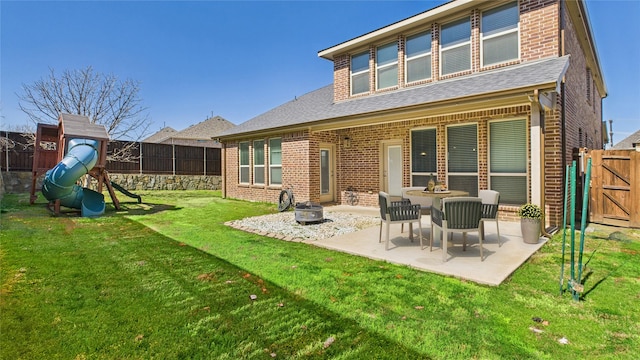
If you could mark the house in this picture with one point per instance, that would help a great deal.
(200, 134)
(482, 94)
(631, 142)
(161, 135)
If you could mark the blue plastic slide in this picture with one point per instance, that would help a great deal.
(60, 182)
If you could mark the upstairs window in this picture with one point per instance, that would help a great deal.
(243, 154)
(500, 34)
(418, 57)
(360, 73)
(387, 66)
(258, 162)
(455, 47)
(275, 161)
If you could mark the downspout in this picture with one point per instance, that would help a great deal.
(537, 124)
(223, 168)
(563, 95)
(563, 146)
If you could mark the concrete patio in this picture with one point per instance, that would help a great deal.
(499, 262)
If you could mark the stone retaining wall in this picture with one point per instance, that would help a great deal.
(20, 182)
(166, 182)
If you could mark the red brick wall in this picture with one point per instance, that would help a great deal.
(359, 165)
(539, 29)
(583, 107)
(539, 38)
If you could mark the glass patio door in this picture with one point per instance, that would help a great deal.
(392, 168)
(327, 193)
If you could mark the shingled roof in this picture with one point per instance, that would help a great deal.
(204, 130)
(628, 143)
(318, 105)
(162, 134)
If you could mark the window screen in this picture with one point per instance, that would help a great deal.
(258, 162)
(500, 34)
(243, 149)
(462, 158)
(275, 161)
(418, 52)
(423, 156)
(387, 65)
(508, 160)
(360, 73)
(455, 39)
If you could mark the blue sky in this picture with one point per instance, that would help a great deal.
(238, 59)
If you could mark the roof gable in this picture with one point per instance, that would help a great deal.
(162, 134)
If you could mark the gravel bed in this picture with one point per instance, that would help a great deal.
(283, 225)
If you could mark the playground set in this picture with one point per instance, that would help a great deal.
(64, 154)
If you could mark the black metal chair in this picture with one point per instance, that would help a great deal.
(398, 212)
(458, 214)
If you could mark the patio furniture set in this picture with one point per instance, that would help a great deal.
(451, 211)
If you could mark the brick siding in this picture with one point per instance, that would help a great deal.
(358, 165)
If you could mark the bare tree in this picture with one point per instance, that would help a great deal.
(103, 98)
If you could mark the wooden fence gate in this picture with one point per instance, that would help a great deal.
(615, 188)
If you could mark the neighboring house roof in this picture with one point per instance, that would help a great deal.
(318, 105)
(162, 134)
(628, 143)
(204, 130)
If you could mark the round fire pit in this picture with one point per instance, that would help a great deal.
(308, 213)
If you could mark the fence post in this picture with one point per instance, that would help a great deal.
(173, 154)
(6, 149)
(204, 150)
(140, 157)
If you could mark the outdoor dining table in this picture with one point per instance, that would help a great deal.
(437, 195)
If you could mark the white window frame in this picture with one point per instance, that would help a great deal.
(240, 165)
(386, 66)
(258, 168)
(417, 57)
(361, 72)
(274, 166)
(492, 36)
(466, 43)
(490, 174)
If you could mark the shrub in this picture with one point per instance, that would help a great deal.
(530, 211)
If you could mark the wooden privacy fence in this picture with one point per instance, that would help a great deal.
(149, 158)
(145, 158)
(614, 196)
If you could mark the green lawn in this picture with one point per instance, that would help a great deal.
(167, 280)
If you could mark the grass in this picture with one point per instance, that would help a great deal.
(166, 279)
